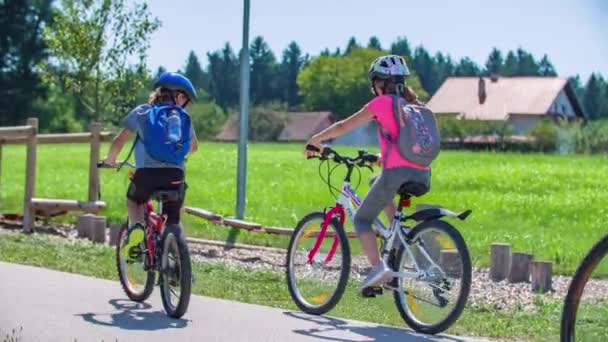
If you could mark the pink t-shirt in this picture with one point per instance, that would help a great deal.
(382, 108)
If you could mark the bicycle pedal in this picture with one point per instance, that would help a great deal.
(372, 291)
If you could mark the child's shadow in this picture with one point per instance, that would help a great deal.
(133, 316)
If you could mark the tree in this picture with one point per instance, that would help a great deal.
(594, 92)
(466, 67)
(194, 72)
(352, 44)
(579, 89)
(92, 43)
(444, 68)
(264, 72)
(426, 69)
(224, 76)
(374, 43)
(159, 71)
(401, 47)
(494, 63)
(527, 66)
(291, 64)
(545, 67)
(341, 84)
(511, 65)
(22, 48)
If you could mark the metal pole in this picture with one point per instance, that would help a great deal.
(244, 117)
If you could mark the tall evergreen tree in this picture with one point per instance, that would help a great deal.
(444, 68)
(593, 92)
(159, 71)
(401, 47)
(374, 43)
(22, 48)
(467, 67)
(424, 66)
(264, 72)
(527, 66)
(511, 65)
(291, 64)
(224, 76)
(494, 63)
(352, 43)
(545, 67)
(194, 71)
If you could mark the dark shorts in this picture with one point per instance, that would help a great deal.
(147, 180)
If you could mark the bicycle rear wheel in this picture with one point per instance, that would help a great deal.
(317, 269)
(431, 304)
(136, 281)
(585, 312)
(176, 272)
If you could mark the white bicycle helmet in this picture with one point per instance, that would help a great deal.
(390, 66)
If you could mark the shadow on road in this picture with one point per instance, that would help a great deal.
(133, 316)
(329, 329)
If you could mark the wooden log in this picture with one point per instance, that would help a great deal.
(520, 267)
(540, 274)
(278, 230)
(500, 261)
(70, 205)
(30, 176)
(84, 225)
(98, 229)
(114, 231)
(63, 138)
(449, 261)
(241, 224)
(93, 160)
(22, 132)
(202, 213)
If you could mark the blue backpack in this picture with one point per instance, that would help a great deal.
(167, 135)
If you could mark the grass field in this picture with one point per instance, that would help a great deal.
(551, 206)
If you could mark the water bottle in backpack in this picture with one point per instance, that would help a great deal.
(174, 127)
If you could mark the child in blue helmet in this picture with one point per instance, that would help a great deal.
(170, 90)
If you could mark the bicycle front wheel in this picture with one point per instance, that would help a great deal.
(585, 312)
(136, 281)
(432, 302)
(317, 266)
(176, 272)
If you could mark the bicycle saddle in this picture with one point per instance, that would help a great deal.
(413, 189)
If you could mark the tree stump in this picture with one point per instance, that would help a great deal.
(540, 274)
(520, 267)
(84, 225)
(114, 230)
(98, 231)
(500, 261)
(449, 261)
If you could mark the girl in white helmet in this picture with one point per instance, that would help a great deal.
(387, 76)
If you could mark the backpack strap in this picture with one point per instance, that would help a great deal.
(385, 133)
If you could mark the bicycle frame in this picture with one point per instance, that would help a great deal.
(154, 224)
(344, 204)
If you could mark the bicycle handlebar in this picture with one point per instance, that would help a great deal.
(103, 165)
(362, 159)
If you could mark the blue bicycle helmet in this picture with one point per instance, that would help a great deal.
(175, 81)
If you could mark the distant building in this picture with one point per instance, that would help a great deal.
(521, 101)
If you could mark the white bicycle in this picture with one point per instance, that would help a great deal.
(430, 261)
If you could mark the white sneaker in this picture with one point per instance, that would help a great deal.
(376, 275)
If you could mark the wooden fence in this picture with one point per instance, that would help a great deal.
(29, 136)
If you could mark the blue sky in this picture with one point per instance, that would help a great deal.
(573, 33)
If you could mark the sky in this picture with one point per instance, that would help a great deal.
(574, 33)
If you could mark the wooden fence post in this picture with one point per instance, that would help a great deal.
(541, 276)
(84, 226)
(500, 259)
(114, 231)
(520, 268)
(94, 158)
(98, 230)
(30, 177)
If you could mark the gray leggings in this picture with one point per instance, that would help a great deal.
(383, 191)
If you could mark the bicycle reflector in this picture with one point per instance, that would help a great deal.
(405, 202)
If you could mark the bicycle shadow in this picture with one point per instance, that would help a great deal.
(330, 329)
(133, 316)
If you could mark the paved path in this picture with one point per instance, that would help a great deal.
(56, 306)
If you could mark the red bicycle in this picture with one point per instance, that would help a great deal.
(163, 251)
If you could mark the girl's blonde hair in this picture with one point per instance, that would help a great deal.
(401, 89)
(160, 95)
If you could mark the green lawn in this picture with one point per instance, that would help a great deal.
(267, 288)
(551, 206)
